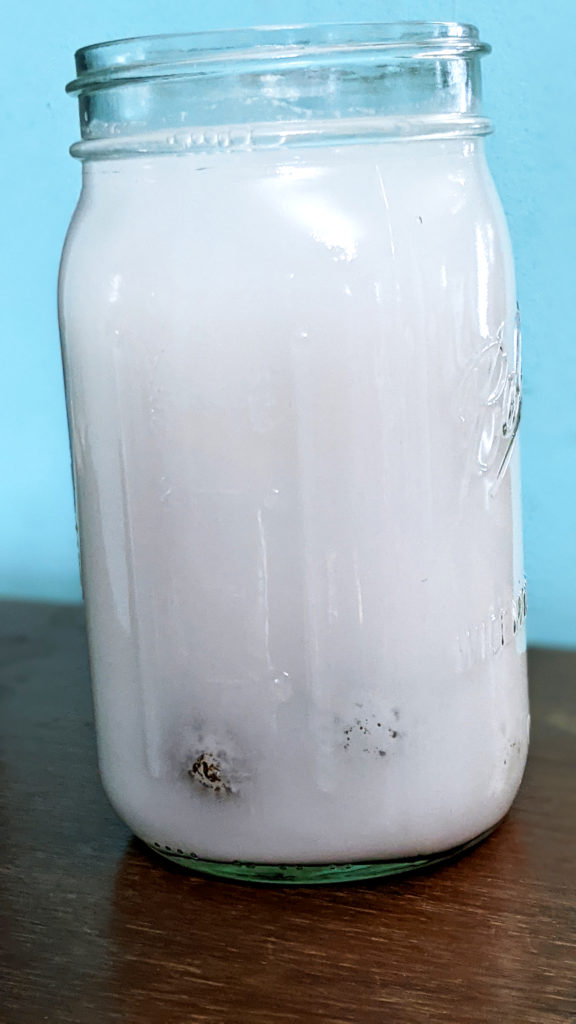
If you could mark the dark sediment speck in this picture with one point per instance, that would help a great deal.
(207, 771)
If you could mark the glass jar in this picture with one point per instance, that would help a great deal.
(292, 359)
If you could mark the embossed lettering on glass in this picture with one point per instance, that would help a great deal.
(292, 357)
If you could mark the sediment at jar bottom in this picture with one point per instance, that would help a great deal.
(314, 874)
(366, 807)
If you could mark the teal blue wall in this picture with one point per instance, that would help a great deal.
(530, 91)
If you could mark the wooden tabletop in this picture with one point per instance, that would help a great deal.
(96, 929)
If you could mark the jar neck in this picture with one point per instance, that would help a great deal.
(278, 87)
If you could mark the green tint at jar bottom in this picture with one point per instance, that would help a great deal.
(312, 874)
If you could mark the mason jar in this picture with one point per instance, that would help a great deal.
(292, 362)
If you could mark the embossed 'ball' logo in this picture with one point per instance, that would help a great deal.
(490, 402)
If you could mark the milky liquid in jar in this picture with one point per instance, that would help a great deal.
(293, 376)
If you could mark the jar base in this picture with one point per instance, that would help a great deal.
(312, 874)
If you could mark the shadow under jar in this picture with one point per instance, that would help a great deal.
(292, 360)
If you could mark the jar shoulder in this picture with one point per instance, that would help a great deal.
(332, 217)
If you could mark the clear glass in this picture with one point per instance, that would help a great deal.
(292, 359)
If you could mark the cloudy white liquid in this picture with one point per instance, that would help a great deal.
(288, 375)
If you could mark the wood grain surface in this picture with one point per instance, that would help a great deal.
(95, 929)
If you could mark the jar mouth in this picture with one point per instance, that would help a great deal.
(110, 64)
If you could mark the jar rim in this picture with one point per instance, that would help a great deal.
(101, 65)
